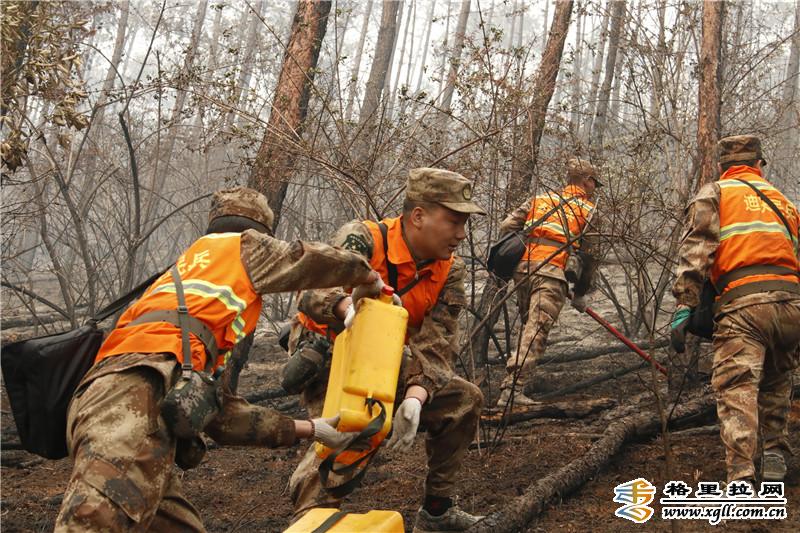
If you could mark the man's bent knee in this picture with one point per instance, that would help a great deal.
(87, 509)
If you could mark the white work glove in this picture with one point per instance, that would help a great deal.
(349, 315)
(367, 290)
(325, 433)
(579, 303)
(405, 424)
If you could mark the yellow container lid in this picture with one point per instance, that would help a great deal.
(372, 522)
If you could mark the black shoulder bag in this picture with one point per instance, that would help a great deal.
(41, 375)
(505, 254)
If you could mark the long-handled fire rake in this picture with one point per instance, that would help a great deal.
(627, 342)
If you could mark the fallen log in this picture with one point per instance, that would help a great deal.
(22, 461)
(27, 321)
(549, 410)
(691, 432)
(520, 511)
(560, 340)
(630, 408)
(586, 383)
(11, 445)
(583, 355)
(630, 424)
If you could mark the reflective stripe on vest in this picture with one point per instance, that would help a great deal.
(751, 233)
(223, 294)
(218, 293)
(577, 210)
(741, 228)
(744, 228)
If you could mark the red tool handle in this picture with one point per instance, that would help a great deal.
(614, 331)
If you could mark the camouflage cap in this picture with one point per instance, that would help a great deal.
(581, 168)
(443, 187)
(243, 202)
(740, 148)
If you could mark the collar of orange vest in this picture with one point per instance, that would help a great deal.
(399, 253)
(737, 171)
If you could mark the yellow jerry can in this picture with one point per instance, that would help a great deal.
(372, 522)
(366, 364)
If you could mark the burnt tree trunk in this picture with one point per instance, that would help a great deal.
(708, 101)
(379, 70)
(445, 44)
(249, 43)
(787, 137)
(429, 24)
(544, 28)
(597, 69)
(353, 81)
(601, 115)
(520, 182)
(274, 162)
(161, 169)
(577, 63)
(407, 28)
(388, 90)
(567, 409)
(369, 117)
(111, 72)
(543, 88)
(455, 56)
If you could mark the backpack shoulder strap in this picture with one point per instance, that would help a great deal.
(774, 209)
(183, 314)
(127, 298)
(533, 223)
(391, 267)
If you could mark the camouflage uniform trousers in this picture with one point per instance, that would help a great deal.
(546, 295)
(755, 351)
(450, 417)
(123, 478)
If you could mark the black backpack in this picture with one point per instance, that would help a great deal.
(701, 318)
(41, 375)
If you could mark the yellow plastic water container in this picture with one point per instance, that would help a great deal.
(372, 522)
(366, 364)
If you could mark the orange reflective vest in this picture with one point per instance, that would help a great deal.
(218, 293)
(422, 297)
(751, 233)
(560, 226)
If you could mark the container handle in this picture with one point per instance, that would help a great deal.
(327, 466)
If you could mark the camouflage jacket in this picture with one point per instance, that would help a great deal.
(277, 266)
(273, 266)
(698, 246)
(433, 346)
(589, 247)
